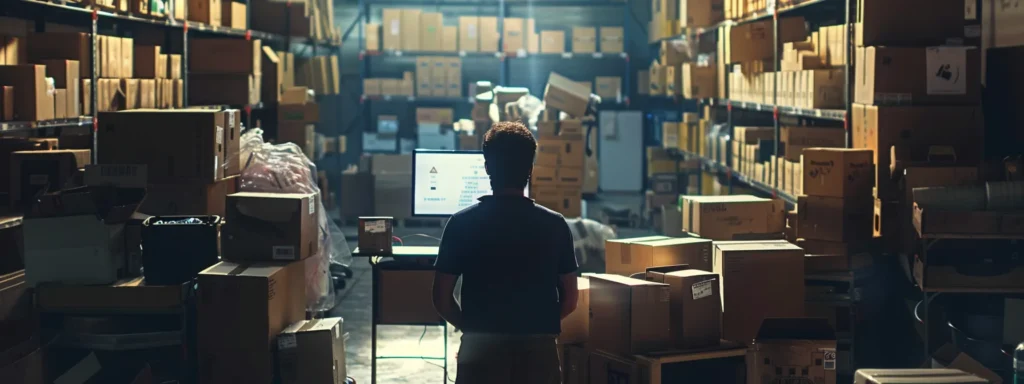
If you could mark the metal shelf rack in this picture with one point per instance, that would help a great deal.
(502, 60)
(95, 18)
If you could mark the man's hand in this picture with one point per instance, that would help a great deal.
(568, 294)
(444, 298)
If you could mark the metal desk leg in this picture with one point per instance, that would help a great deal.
(373, 323)
(445, 330)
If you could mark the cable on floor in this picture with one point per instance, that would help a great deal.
(421, 235)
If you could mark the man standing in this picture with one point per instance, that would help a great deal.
(518, 270)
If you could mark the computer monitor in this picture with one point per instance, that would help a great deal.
(446, 182)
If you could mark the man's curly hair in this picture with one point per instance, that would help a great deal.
(509, 148)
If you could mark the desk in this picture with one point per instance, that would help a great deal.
(398, 253)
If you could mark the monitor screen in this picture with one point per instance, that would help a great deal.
(446, 182)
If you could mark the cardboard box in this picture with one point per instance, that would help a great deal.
(575, 364)
(696, 82)
(700, 13)
(147, 62)
(235, 56)
(759, 280)
(37, 172)
(127, 58)
(234, 15)
(914, 131)
(732, 217)
(753, 41)
(584, 40)
(6, 103)
(188, 199)
(514, 35)
(312, 351)
(576, 326)
(608, 87)
(371, 31)
(224, 89)
(552, 41)
(834, 218)
(794, 349)
(67, 240)
(881, 22)
(60, 101)
(489, 34)
(391, 28)
(31, 101)
(628, 316)
(658, 80)
(174, 66)
(450, 39)
(838, 172)
(176, 146)
(566, 95)
(236, 337)
(911, 76)
(431, 31)
(206, 12)
(410, 29)
(692, 251)
(933, 375)
(618, 253)
(13, 50)
(62, 45)
(65, 74)
(796, 139)
(270, 227)
(695, 308)
(469, 33)
(612, 39)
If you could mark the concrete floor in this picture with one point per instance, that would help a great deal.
(354, 307)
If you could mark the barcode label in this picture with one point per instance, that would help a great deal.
(829, 359)
(283, 252)
(702, 289)
(375, 226)
(220, 135)
(286, 341)
(312, 205)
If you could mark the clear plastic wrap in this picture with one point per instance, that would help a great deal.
(283, 168)
(588, 237)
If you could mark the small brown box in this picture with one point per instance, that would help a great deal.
(205, 11)
(375, 235)
(270, 227)
(312, 351)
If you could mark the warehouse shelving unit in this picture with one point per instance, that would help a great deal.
(499, 61)
(97, 19)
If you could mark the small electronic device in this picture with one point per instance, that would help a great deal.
(446, 182)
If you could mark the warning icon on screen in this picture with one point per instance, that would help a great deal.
(433, 169)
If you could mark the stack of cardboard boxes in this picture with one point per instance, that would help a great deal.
(676, 72)
(924, 130)
(37, 166)
(414, 30)
(297, 117)
(313, 19)
(558, 172)
(231, 77)
(834, 213)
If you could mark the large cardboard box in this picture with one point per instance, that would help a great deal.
(270, 227)
(915, 131)
(514, 35)
(489, 34)
(312, 351)
(552, 41)
(700, 13)
(838, 172)
(838, 219)
(431, 31)
(759, 280)
(391, 29)
(469, 33)
(205, 11)
(564, 198)
(617, 253)
(695, 308)
(611, 40)
(576, 326)
(410, 29)
(37, 172)
(31, 101)
(628, 316)
(696, 82)
(753, 41)
(802, 349)
(639, 256)
(908, 23)
(566, 95)
(609, 87)
(242, 309)
(176, 146)
(235, 56)
(796, 139)
(917, 76)
(584, 39)
(732, 217)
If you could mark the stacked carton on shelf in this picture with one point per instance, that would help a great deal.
(558, 172)
(232, 76)
(297, 116)
(837, 207)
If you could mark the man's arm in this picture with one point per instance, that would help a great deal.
(444, 298)
(447, 269)
(568, 292)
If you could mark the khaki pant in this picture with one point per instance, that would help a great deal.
(498, 359)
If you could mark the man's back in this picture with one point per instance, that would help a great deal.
(510, 253)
